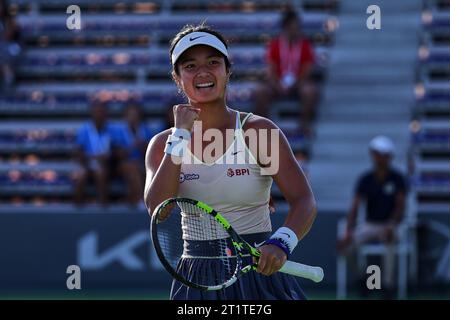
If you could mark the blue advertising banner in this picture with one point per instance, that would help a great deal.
(115, 254)
(113, 251)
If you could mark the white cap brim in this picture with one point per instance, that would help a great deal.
(195, 39)
(382, 144)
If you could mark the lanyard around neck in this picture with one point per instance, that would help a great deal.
(290, 56)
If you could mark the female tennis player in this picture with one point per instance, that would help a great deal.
(240, 191)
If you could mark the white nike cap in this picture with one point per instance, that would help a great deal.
(195, 39)
(382, 144)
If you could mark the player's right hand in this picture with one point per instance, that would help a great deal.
(184, 116)
(271, 260)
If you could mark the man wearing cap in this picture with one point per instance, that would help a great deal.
(383, 189)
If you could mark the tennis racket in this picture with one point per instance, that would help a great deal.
(200, 248)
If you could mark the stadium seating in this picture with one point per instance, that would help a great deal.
(248, 63)
(430, 129)
(120, 56)
(429, 152)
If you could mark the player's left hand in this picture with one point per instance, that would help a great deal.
(271, 260)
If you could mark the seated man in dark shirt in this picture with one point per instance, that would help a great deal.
(384, 190)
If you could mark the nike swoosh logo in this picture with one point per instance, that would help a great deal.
(195, 38)
(286, 234)
(257, 245)
(235, 153)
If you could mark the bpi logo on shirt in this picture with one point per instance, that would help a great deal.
(237, 172)
(188, 176)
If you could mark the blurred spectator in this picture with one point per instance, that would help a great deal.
(168, 119)
(290, 59)
(384, 190)
(10, 47)
(175, 99)
(94, 153)
(132, 139)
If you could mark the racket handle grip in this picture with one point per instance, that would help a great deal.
(302, 270)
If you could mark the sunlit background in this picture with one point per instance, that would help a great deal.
(393, 81)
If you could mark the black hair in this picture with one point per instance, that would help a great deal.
(187, 29)
(288, 17)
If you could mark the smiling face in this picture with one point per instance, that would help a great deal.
(202, 74)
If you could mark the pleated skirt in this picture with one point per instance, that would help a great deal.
(251, 286)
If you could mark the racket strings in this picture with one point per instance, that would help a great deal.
(199, 225)
(169, 234)
(195, 245)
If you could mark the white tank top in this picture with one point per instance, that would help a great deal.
(236, 189)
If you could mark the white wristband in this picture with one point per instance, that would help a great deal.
(176, 146)
(177, 142)
(181, 133)
(287, 236)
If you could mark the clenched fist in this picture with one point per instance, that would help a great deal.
(184, 116)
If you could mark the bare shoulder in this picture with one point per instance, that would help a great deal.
(257, 122)
(157, 143)
(161, 137)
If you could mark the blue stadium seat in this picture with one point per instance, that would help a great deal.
(434, 63)
(130, 44)
(432, 132)
(432, 178)
(436, 25)
(235, 26)
(435, 92)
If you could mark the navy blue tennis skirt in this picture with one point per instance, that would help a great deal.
(251, 286)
